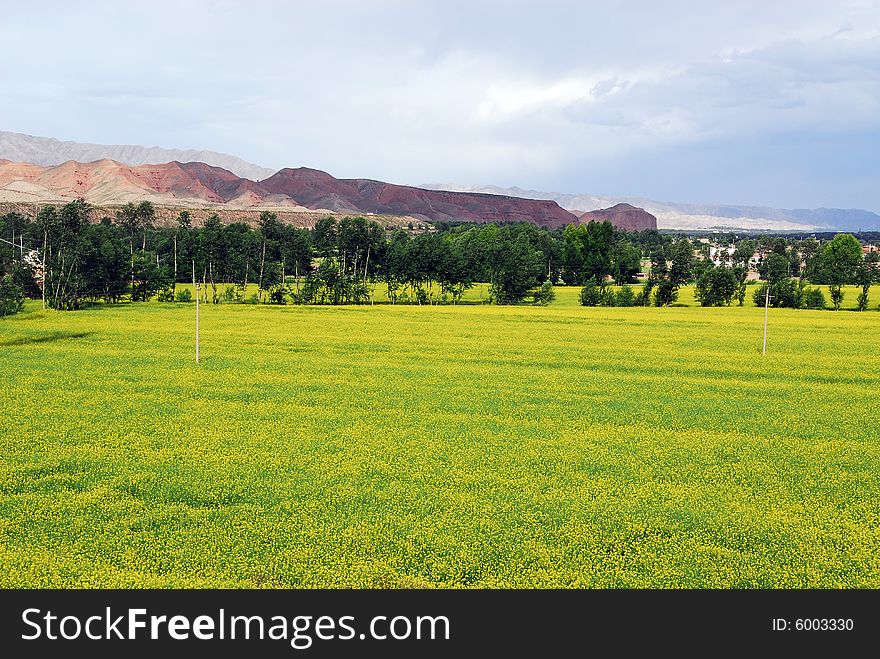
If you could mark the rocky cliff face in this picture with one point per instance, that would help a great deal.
(622, 216)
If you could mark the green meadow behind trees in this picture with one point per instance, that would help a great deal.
(440, 446)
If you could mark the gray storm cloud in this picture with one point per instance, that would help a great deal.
(768, 103)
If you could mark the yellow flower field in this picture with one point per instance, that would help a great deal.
(440, 446)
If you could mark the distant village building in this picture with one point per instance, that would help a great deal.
(722, 255)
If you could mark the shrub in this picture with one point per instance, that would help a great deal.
(625, 296)
(233, 294)
(643, 299)
(784, 294)
(184, 295)
(789, 293)
(606, 296)
(165, 294)
(590, 293)
(759, 295)
(667, 293)
(276, 295)
(545, 294)
(814, 298)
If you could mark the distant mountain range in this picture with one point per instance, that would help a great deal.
(46, 169)
(672, 215)
(18, 147)
(196, 184)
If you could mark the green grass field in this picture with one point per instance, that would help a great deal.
(469, 446)
(566, 296)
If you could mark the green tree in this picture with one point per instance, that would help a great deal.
(212, 237)
(518, 266)
(866, 273)
(837, 264)
(11, 297)
(643, 298)
(324, 236)
(270, 229)
(808, 250)
(626, 260)
(743, 253)
(786, 293)
(588, 251)
(65, 278)
(680, 272)
(665, 279)
(146, 214)
(659, 263)
(13, 225)
(149, 276)
(775, 268)
(184, 225)
(741, 272)
(717, 287)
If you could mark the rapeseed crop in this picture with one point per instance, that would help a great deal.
(469, 446)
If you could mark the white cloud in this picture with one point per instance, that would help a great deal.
(508, 92)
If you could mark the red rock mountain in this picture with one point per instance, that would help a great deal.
(316, 189)
(623, 216)
(196, 184)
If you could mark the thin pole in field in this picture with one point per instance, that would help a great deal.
(197, 322)
(766, 313)
(45, 241)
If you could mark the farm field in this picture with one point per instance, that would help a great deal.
(440, 446)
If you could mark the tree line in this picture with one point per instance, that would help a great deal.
(68, 257)
(787, 266)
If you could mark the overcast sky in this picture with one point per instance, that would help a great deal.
(770, 103)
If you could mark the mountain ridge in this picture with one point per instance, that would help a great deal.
(241, 187)
(49, 151)
(195, 184)
(675, 215)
